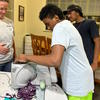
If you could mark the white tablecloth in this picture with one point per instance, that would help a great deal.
(5, 85)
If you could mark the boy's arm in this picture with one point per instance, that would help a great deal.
(53, 59)
(96, 53)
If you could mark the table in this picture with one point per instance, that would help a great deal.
(51, 92)
(5, 85)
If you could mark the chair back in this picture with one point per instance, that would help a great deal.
(38, 44)
(48, 45)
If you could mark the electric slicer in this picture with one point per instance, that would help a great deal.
(22, 73)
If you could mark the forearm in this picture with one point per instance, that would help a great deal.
(96, 50)
(54, 59)
(47, 60)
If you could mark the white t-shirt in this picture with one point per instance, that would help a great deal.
(6, 37)
(76, 72)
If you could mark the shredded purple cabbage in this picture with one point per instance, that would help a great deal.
(27, 92)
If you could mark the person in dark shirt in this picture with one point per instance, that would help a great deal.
(88, 31)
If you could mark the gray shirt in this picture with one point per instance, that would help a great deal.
(6, 37)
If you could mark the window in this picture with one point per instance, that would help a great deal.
(10, 11)
(86, 5)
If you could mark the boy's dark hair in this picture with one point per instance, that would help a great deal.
(73, 7)
(5, 0)
(50, 10)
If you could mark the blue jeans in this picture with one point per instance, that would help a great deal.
(6, 67)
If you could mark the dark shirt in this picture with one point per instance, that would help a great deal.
(88, 31)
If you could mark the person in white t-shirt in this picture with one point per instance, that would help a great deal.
(6, 38)
(67, 54)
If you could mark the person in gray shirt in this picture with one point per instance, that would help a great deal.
(6, 38)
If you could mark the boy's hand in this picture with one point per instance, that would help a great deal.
(21, 59)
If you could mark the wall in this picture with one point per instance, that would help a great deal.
(31, 23)
(34, 25)
(19, 26)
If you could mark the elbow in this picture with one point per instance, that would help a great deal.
(56, 63)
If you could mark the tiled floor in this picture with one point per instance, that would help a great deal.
(97, 92)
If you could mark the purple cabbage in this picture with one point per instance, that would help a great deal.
(27, 92)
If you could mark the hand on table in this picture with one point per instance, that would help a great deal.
(21, 59)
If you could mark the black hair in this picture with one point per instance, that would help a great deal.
(73, 7)
(50, 10)
(5, 0)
